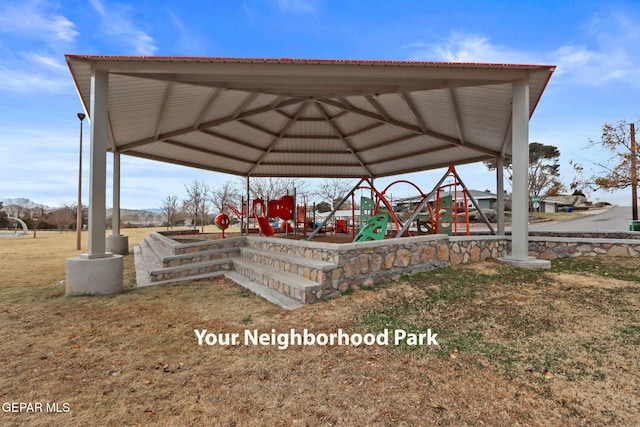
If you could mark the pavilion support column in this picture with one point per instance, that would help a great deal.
(500, 191)
(248, 205)
(520, 197)
(116, 242)
(97, 272)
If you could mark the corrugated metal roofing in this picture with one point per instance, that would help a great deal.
(308, 118)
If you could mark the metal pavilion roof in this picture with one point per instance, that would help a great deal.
(307, 118)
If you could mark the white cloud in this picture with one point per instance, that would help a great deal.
(462, 47)
(48, 62)
(31, 18)
(606, 55)
(97, 5)
(35, 72)
(117, 24)
(34, 80)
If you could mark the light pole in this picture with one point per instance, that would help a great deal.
(81, 116)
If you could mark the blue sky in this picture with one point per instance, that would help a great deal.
(593, 43)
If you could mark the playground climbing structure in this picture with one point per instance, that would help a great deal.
(444, 210)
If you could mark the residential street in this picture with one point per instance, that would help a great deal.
(613, 219)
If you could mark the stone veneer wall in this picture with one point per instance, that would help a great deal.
(369, 263)
(562, 247)
(373, 262)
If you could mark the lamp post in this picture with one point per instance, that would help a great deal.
(81, 116)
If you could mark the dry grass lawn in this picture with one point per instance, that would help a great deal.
(517, 347)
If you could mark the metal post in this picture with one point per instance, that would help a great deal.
(333, 212)
(248, 205)
(634, 173)
(115, 221)
(81, 116)
(500, 191)
(520, 148)
(98, 176)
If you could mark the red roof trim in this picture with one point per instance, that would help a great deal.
(302, 61)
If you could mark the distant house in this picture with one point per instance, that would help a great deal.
(552, 204)
(485, 200)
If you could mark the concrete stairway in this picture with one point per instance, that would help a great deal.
(289, 281)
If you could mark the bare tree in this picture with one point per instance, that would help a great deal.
(19, 208)
(620, 169)
(170, 209)
(63, 217)
(196, 202)
(274, 188)
(227, 194)
(36, 214)
(333, 190)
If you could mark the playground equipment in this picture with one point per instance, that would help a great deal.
(448, 209)
(262, 210)
(24, 232)
(260, 214)
(444, 210)
(222, 222)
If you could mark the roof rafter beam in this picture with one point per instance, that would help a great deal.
(379, 108)
(276, 151)
(248, 100)
(416, 112)
(205, 151)
(275, 140)
(412, 154)
(268, 132)
(408, 126)
(506, 140)
(325, 164)
(230, 139)
(180, 162)
(364, 129)
(212, 123)
(349, 108)
(207, 106)
(343, 138)
(163, 108)
(388, 142)
(456, 113)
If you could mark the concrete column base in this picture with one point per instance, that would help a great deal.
(117, 244)
(527, 262)
(95, 276)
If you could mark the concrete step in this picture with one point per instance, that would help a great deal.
(269, 294)
(143, 278)
(157, 272)
(158, 250)
(309, 268)
(292, 285)
(199, 257)
(166, 243)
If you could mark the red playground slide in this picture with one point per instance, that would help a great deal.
(263, 221)
(265, 227)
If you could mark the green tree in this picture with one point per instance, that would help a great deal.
(544, 170)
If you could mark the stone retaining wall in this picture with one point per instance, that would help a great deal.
(209, 245)
(368, 263)
(183, 232)
(562, 247)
